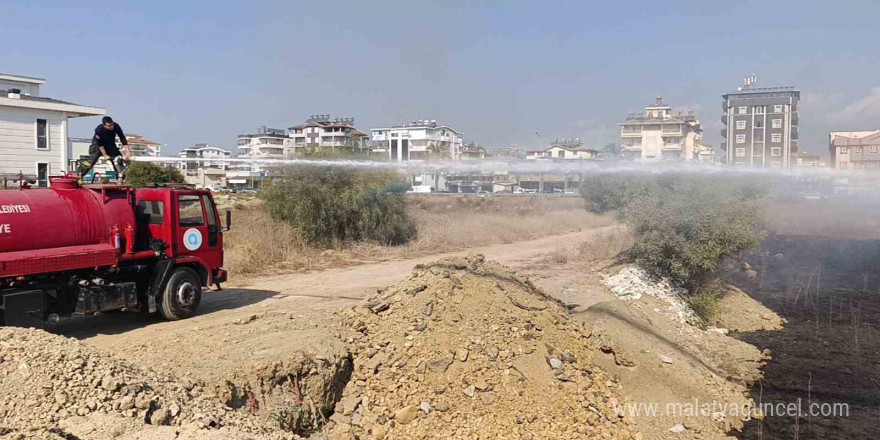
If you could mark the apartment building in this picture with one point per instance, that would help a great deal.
(319, 131)
(761, 125)
(204, 156)
(141, 146)
(34, 137)
(418, 140)
(658, 134)
(266, 143)
(853, 150)
(803, 159)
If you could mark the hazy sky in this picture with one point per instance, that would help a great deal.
(205, 71)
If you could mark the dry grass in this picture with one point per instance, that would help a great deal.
(604, 245)
(258, 244)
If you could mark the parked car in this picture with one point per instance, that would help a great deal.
(248, 191)
(217, 188)
(522, 190)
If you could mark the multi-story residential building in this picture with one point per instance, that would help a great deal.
(320, 132)
(205, 156)
(140, 146)
(657, 134)
(761, 125)
(418, 140)
(854, 149)
(267, 143)
(34, 137)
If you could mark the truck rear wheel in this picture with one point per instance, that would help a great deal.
(182, 294)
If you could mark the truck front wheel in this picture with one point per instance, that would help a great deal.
(182, 294)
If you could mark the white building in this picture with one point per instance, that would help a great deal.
(34, 137)
(568, 149)
(320, 132)
(267, 143)
(418, 140)
(204, 154)
(140, 146)
(657, 134)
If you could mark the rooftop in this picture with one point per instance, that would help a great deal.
(22, 78)
(12, 99)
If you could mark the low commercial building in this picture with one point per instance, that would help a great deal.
(804, 159)
(320, 132)
(851, 150)
(418, 140)
(34, 140)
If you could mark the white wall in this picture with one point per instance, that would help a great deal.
(18, 140)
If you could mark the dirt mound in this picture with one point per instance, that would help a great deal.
(54, 387)
(739, 312)
(466, 349)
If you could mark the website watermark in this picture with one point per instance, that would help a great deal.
(745, 411)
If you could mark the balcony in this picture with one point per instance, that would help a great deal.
(724, 133)
(672, 147)
(633, 147)
(724, 119)
(631, 133)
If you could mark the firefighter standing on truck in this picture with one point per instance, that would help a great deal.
(104, 145)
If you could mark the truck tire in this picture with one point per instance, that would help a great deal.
(182, 294)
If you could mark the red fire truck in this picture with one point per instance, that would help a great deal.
(82, 250)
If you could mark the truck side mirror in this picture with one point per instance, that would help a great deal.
(228, 219)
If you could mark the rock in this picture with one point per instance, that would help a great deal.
(665, 359)
(487, 398)
(520, 419)
(379, 432)
(746, 266)
(441, 406)
(406, 414)
(425, 407)
(678, 429)
(470, 391)
(779, 256)
(462, 354)
(751, 274)
(492, 352)
(481, 384)
(356, 419)
(160, 417)
(438, 366)
(429, 309)
(348, 405)
(555, 364)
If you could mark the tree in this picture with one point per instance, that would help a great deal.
(438, 151)
(143, 173)
(612, 149)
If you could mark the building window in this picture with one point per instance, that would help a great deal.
(777, 109)
(776, 137)
(857, 150)
(42, 134)
(740, 152)
(872, 149)
(843, 150)
(740, 125)
(777, 123)
(758, 109)
(743, 110)
(759, 123)
(776, 151)
(43, 175)
(740, 138)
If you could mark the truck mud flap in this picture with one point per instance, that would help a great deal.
(23, 309)
(157, 282)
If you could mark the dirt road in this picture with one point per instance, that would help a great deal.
(307, 295)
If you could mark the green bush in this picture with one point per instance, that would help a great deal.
(334, 204)
(684, 225)
(142, 173)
